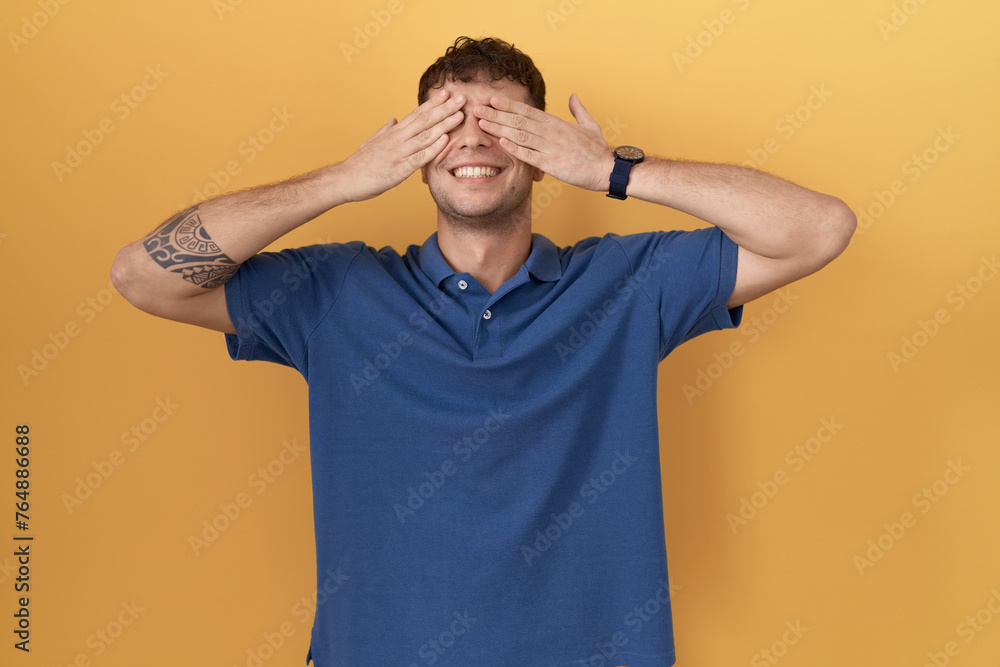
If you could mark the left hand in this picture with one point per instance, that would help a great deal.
(574, 153)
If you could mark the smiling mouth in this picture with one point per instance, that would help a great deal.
(475, 172)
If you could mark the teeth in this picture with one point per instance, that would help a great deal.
(475, 172)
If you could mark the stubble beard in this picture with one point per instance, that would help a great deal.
(496, 218)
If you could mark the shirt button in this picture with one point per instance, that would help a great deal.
(487, 315)
(462, 284)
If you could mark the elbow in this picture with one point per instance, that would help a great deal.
(119, 273)
(838, 226)
(846, 222)
(123, 276)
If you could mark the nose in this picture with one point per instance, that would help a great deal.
(468, 134)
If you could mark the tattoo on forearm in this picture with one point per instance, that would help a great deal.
(183, 246)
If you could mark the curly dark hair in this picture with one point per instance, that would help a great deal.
(469, 59)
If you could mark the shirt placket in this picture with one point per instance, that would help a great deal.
(486, 312)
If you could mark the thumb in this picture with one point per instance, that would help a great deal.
(581, 114)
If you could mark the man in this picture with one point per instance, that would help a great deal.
(483, 420)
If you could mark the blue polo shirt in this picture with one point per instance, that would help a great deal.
(485, 467)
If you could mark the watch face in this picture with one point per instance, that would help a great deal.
(629, 153)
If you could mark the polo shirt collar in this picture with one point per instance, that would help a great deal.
(542, 263)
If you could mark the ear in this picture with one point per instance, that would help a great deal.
(537, 174)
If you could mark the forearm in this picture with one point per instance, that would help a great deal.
(243, 223)
(202, 247)
(761, 213)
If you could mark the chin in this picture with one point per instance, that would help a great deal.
(497, 216)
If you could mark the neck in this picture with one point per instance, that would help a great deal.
(490, 258)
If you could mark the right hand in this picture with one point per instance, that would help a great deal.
(398, 149)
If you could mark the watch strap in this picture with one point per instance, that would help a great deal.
(619, 178)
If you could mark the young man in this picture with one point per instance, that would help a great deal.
(484, 437)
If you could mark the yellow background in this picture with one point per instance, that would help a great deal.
(896, 76)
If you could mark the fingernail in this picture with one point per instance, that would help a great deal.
(459, 99)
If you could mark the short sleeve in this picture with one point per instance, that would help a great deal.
(689, 276)
(276, 300)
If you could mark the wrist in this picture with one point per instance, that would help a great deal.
(653, 180)
(607, 165)
(625, 159)
(335, 185)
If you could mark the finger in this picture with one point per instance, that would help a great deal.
(522, 153)
(432, 134)
(493, 118)
(515, 107)
(427, 153)
(439, 106)
(518, 114)
(581, 114)
(482, 111)
(519, 136)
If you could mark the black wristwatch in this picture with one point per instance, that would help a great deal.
(625, 157)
